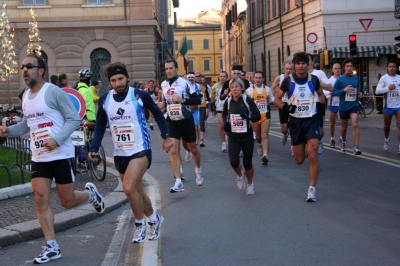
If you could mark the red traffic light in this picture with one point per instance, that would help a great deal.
(353, 38)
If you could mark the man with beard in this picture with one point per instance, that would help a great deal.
(50, 117)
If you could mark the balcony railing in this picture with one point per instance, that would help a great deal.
(397, 8)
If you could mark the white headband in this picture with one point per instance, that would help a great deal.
(191, 76)
(235, 71)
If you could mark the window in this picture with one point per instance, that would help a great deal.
(190, 44)
(266, 10)
(253, 15)
(288, 50)
(206, 44)
(269, 66)
(98, 2)
(274, 8)
(34, 2)
(99, 58)
(206, 63)
(176, 45)
(255, 64)
(259, 13)
(221, 64)
(285, 5)
(220, 43)
(191, 65)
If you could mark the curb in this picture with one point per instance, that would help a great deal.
(16, 233)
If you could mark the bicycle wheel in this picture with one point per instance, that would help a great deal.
(368, 107)
(362, 111)
(99, 168)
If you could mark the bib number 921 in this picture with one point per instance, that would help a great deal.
(39, 144)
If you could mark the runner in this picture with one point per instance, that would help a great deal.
(347, 88)
(123, 110)
(236, 72)
(218, 105)
(389, 85)
(50, 117)
(178, 95)
(153, 91)
(303, 92)
(262, 96)
(333, 105)
(238, 111)
(250, 78)
(203, 107)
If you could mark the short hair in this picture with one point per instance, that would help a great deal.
(392, 61)
(190, 72)
(237, 67)
(54, 79)
(96, 82)
(151, 81)
(109, 66)
(259, 72)
(61, 77)
(223, 71)
(348, 60)
(301, 56)
(243, 72)
(172, 61)
(238, 81)
(40, 62)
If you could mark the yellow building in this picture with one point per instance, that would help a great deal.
(204, 41)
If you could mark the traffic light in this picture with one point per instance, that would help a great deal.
(326, 59)
(353, 45)
(321, 59)
(398, 46)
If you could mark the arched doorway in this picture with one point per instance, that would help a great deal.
(99, 58)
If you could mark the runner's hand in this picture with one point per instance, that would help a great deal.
(4, 131)
(50, 144)
(166, 144)
(93, 156)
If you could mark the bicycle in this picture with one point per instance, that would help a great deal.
(362, 110)
(369, 105)
(82, 138)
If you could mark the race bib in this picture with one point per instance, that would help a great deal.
(262, 105)
(123, 136)
(175, 111)
(393, 99)
(38, 136)
(335, 101)
(238, 124)
(303, 108)
(351, 96)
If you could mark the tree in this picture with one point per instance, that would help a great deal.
(34, 39)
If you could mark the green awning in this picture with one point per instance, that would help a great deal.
(362, 51)
(386, 49)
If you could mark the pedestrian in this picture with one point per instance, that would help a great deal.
(389, 86)
(54, 80)
(50, 118)
(303, 91)
(178, 95)
(96, 85)
(262, 96)
(63, 80)
(238, 111)
(123, 109)
(347, 88)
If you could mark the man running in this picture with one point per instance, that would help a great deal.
(262, 96)
(303, 92)
(203, 106)
(153, 91)
(178, 95)
(347, 88)
(218, 105)
(50, 118)
(123, 110)
(389, 85)
(333, 105)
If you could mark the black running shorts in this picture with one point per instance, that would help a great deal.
(303, 129)
(122, 162)
(182, 129)
(60, 170)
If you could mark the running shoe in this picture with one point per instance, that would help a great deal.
(260, 150)
(340, 140)
(98, 200)
(151, 126)
(240, 181)
(320, 147)
(333, 143)
(291, 151)
(223, 149)
(311, 195)
(140, 234)
(343, 146)
(48, 254)
(181, 174)
(357, 151)
(199, 177)
(188, 156)
(250, 189)
(386, 145)
(284, 138)
(178, 187)
(264, 159)
(154, 231)
(241, 153)
(202, 143)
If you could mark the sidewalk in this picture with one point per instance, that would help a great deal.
(18, 221)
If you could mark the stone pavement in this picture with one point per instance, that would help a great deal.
(18, 214)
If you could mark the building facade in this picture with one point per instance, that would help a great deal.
(279, 28)
(203, 35)
(78, 34)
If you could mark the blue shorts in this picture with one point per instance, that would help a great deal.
(303, 129)
(196, 116)
(345, 115)
(333, 109)
(390, 111)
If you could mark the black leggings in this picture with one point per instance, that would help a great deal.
(243, 142)
(203, 111)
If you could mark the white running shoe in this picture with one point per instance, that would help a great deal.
(140, 234)
(250, 189)
(188, 156)
(178, 187)
(291, 151)
(48, 254)
(311, 195)
(320, 147)
(154, 230)
(357, 151)
(284, 138)
(199, 177)
(260, 150)
(98, 200)
(386, 145)
(240, 181)
(181, 173)
(223, 149)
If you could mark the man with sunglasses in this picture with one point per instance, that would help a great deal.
(50, 117)
(236, 73)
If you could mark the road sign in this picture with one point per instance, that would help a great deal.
(366, 22)
(312, 37)
(77, 100)
(312, 48)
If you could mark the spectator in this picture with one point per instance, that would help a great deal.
(63, 80)
(54, 79)
(96, 85)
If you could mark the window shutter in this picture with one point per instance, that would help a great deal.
(40, 2)
(104, 2)
(28, 2)
(92, 2)
(163, 12)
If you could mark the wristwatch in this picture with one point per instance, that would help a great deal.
(166, 136)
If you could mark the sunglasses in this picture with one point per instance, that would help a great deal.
(28, 66)
(198, 76)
